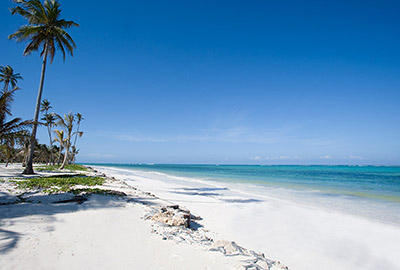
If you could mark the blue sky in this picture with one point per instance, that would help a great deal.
(244, 82)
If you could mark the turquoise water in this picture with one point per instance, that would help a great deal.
(367, 182)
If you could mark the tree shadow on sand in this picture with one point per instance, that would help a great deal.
(40, 211)
(8, 240)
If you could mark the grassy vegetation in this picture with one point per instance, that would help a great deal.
(97, 191)
(58, 184)
(71, 167)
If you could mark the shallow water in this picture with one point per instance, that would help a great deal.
(370, 191)
(308, 217)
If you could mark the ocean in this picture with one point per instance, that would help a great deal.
(371, 191)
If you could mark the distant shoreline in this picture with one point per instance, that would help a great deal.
(216, 164)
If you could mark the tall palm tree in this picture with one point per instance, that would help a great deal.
(8, 76)
(59, 137)
(49, 120)
(79, 118)
(67, 122)
(45, 32)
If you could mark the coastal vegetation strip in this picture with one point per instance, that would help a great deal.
(55, 184)
(70, 167)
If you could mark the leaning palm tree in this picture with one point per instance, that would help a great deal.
(67, 122)
(8, 76)
(45, 32)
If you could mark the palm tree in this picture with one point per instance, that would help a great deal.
(67, 122)
(8, 152)
(79, 118)
(8, 76)
(45, 32)
(59, 137)
(23, 142)
(45, 106)
(42, 153)
(10, 130)
(74, 152)
(49, 121)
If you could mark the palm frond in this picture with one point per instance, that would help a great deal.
(45, 29)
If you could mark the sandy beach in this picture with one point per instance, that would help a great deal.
(107, 232)
(231, 227)
(301, 235)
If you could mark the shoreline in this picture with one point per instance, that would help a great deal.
(302, 236)
(107, 231)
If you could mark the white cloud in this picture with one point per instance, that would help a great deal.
(237, 134)
(356, 157)
(326, 157)
(282, 157)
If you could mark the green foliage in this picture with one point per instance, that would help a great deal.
(97, 191)
(71, 167)
(12, 129)
(8, 76)
(58, 184)
(45, 29)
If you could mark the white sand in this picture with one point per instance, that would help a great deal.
(105, 232)
(301, 236)
(100, 234)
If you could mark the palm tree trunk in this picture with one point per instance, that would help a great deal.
(29, 164)
(59, 156)
(65, 157)
(51, 145)
(76, 135)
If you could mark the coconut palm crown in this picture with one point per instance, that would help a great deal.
(8, 76)
(45, 32)
(45, 106)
